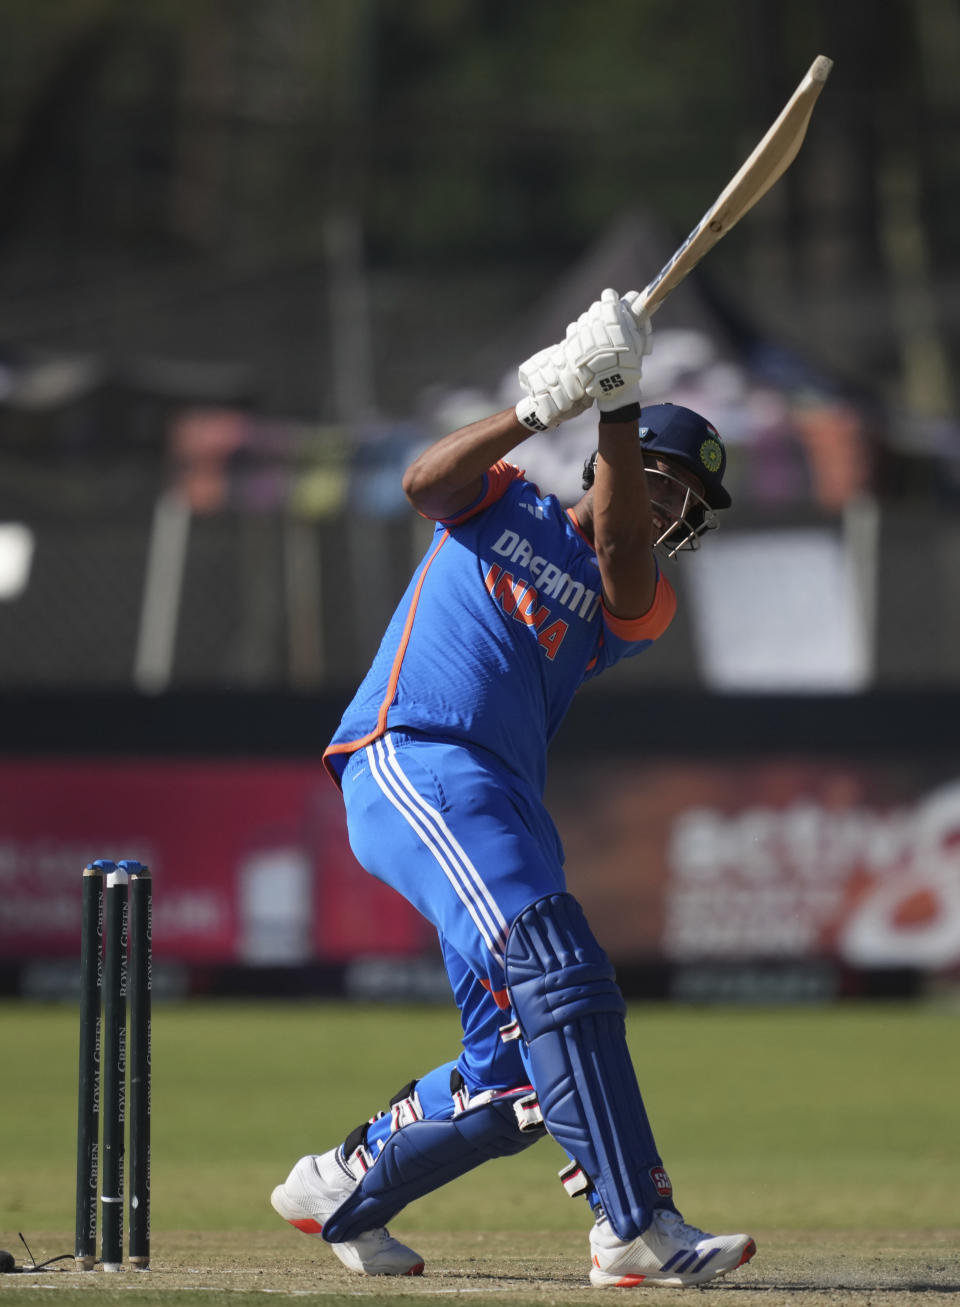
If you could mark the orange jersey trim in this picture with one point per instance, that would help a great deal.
(351, 746)
(579, 529)
(499, 996)
(498, 479)
(653, 622)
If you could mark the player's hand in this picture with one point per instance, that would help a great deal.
(600, 358)
(606, 347)
(554, 390)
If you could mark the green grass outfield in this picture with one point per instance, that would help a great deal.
(815, 1128)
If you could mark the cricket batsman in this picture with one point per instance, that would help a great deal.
(441, 758)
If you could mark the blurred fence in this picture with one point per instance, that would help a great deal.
(163, 597)
(261, 601)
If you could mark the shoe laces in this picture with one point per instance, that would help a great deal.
(673, 1224)
(379, 1235)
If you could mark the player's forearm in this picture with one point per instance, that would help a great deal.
(622, 521)
(446, 476)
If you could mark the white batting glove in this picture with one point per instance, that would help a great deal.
(554, 390)
(600, 358)
(606, 345)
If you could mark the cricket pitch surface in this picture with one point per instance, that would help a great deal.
(810, 1269)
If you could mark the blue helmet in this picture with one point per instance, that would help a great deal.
(683, 435)
(679, 435)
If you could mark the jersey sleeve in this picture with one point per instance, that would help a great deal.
(654, 621)
(624, 637)
(496, 481)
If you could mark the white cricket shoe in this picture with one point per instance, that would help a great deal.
(669, 1252)
(313, 1190)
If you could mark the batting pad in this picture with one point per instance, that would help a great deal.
(571, 1014)
(422, 1156)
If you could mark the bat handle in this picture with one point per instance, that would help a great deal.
(647, 302)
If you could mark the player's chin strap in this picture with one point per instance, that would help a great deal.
(419, 1156)
(571, 1015)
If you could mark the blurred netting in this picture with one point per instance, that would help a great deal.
(240, 615)
(221, 550)
(76, 620)
(150, 540)
(274, 599)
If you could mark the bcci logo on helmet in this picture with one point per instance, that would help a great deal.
(711, 455)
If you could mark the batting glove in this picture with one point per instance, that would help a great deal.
(606, 347)
(554, 391)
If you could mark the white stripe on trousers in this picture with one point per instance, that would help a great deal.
(440, 840)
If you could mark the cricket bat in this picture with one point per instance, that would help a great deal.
(770, 160)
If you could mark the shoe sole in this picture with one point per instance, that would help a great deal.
(293, 1212)
(301, 1220)
(604, 1280)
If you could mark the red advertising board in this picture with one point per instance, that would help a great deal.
(677, 862)
(250, 860)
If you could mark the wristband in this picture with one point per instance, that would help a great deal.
(629, 413)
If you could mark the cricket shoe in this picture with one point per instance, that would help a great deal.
(313, 1191)
(669, 1252)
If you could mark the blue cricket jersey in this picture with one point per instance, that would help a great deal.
(501, 624)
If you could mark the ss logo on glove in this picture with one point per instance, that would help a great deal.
(613, 382)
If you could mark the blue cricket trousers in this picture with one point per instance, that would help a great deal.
(449, 828)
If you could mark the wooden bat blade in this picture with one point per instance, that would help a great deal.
(769, 161)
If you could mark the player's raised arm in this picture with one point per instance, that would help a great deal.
(620, 518)
(446, 477)
(622, 521)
